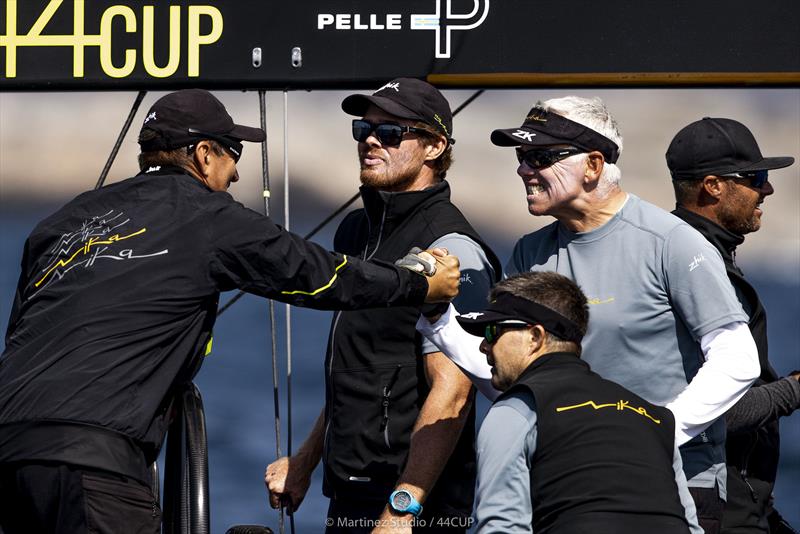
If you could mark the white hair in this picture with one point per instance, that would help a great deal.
(592, 113)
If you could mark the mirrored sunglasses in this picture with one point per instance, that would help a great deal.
(494, 330)
(539, 159)
(757, 178)
(388, 134)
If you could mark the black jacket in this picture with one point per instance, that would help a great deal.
(752, 453)
(116, 302)
(604, 456)
(375, 381)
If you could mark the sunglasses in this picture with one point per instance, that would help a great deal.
(233, 147)
(388, 134)
(539, 159)
(757, 178)
(494, 330)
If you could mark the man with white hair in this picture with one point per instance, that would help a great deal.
(665, 321)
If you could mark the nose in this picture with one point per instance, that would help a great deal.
(235, 177)
(525, 170)
(484, 347)
(767, 189)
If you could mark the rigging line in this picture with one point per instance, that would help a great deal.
(118, 144)
(262, 105)
(344, 206)
(288, 307)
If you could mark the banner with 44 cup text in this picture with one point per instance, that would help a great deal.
(314, 44)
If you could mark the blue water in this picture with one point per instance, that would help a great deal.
(236, 383)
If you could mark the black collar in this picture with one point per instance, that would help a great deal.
(398, 206)
(723, 239)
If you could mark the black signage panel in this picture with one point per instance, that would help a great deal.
(135, 44)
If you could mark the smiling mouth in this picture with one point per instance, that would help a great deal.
(534, 189)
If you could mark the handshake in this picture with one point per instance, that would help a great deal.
(440, 268)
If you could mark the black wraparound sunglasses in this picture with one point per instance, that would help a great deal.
(539, 159)
(495, 330)
(388, 134)
(757, 178)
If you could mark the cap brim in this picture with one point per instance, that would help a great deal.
(247, 133)
(506, 137)
(768, 164)
(475, 323)
(358, 104)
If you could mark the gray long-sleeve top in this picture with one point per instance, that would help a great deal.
(762, 404)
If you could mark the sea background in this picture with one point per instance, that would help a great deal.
(53, 146)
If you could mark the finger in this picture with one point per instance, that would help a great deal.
(439, 251)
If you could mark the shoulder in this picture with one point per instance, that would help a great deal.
(648, 218)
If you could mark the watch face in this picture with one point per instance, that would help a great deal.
(402, 500)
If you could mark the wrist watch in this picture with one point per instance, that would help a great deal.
(405, 503)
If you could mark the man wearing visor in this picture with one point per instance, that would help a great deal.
(563, 450)
(721, 180)
(665, 321)
(396, 434)
(114, 313)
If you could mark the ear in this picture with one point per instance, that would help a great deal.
(538, 338)
(435, 148)
(713, 187)
(202, 157)
(594, 166)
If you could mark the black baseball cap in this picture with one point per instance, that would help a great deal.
(507, 307)
(186, 116)
(407, 98)
(715, 147)
(545, 128)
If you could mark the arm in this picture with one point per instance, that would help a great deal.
(250, 252)
(683, 492)
(703, 298)
(288, 478)
(764, 403)
(436, 431)
(462, 348)
(731, 367)
(506, 445)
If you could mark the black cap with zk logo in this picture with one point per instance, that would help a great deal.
(407, 98)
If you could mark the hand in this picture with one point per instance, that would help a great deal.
(287, 481)
(418, 261)
(795, 375)
(391, 522)
(443, 284)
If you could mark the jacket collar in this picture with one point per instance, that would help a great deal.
(398, 206)
(724, 240)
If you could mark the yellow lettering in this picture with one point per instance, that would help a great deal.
(148, 42)
(105, 41)
(9, 40)
(196, 39)
(79, 31)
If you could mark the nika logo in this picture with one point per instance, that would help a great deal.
(442, 21)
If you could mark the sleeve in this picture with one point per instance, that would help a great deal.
(762, 404)
(506, 445)
(462, 348)
(731, 367)
(683, 492)
(698, 285)
(250, 252)
(476, 276)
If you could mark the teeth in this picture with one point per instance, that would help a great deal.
(534, 190)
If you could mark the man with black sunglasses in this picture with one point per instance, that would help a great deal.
(667, 325)
(396, 434)
(562, 450)
(720, 180)
(114, 313)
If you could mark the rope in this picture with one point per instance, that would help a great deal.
(262, 105)
(122, 134)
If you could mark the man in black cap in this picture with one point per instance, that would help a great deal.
(398, 424)
(562, 450)
(114, 311)
(721, 179)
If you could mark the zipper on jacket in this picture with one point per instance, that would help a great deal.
(745, 464)
(339, 314)
(387, 393)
